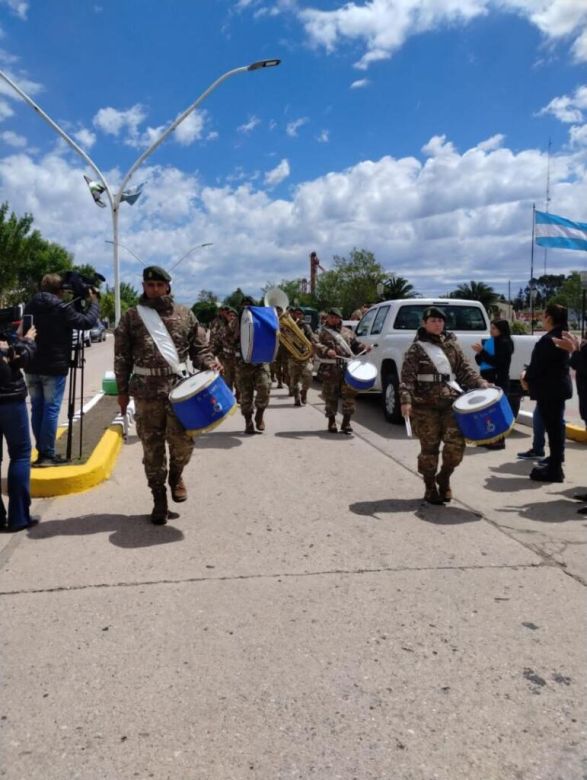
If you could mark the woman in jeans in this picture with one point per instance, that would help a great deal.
(14, 427)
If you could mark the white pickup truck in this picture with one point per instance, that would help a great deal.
(390, 327)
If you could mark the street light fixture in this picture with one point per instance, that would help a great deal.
(115, 199)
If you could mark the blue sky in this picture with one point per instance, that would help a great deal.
(417, 129)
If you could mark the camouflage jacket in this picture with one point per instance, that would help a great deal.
(324, 341)
(217, 331)
(133, 345)
(417, 363)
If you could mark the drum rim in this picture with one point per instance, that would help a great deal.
(500, 395)
(214, 377)
(356, 361)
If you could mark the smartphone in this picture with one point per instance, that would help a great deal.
(27, 323)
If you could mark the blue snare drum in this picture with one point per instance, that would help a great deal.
(484, 415)
(359, 375)
(202, 401)
(259, 334)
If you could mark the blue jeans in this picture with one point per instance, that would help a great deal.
(46, 396)
(14, 427)
(539, 431)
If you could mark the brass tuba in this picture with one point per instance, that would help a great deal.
(291, 335)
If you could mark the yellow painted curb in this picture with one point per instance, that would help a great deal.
(575, 433)
(61, 480)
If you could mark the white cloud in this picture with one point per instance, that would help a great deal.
(450, 216)
(249, 126)
(383, 26)
(5, 110)
(85, 138)
(13, 139)
(18, 7)
(324, 137)
(568, 108)
(112, 121)
(578, 135)
(191, 129)
(277, 174)
(360, 83)
(293, 127)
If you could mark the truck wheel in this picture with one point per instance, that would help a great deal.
(390, 396)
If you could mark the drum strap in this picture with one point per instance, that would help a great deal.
(340, 342)
(162, 338)
(442, 364)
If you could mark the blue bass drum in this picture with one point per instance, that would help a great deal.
(484, 416)
(259, 334)
(359, 375)
(202, 401)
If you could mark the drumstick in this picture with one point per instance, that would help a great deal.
(408, 426)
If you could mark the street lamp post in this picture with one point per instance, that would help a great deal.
(115, 199)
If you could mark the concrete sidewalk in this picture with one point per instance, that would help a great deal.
(304, 615)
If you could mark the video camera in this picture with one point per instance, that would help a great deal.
(9, 320)
(80, 285)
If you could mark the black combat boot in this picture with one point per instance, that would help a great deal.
(249, 427)
(179, 491)
(259, 420)
(431, 494)
(159, 512)
(304, 397)
(297, 398)
(443, 482)
(332, 424)
(346, 425)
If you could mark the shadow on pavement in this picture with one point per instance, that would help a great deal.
(558, 511)
(440, 515)
(218, 441)
(517, 467)
(322, 433)
(509, 485)
(128, 531)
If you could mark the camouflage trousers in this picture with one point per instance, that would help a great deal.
(332, 391)
(279, 366)
(229, 374)
(300, 375)
(433, 425)
(254, 383)
(156, 424)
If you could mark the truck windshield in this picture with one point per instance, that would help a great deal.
(463, 318)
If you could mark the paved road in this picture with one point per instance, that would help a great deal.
(304, 615)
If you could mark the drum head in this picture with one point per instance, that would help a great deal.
(247, 334)
(476, 400)
(192, 386)
(362, 372)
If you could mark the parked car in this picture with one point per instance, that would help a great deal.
(81, 337)
(98, 332)
(390, 326)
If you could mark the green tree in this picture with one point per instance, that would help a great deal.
(205, 311)
(207, 296)
(128, 297)
(570, 294)
(351, 282)
(235, 298)
(477, 291)
(397, 288)
(291, 287)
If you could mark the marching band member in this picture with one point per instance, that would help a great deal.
(143, 372)
(300, 372)
(222, 344)
(253, 381)
(427, 392)
(335, 341)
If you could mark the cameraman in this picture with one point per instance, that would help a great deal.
(14, 427)
(55, 321)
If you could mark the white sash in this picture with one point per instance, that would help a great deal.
(339, 340)
(441, 362)
(161, 336)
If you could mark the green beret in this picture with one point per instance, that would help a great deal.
(154, 273)
(230, 308)
(434, 311)
(336, 311)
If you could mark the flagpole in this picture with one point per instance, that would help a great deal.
(532, 271)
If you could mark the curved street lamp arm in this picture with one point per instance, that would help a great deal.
(183, 257)
(128, 249)
(58, 130)
(175, 123)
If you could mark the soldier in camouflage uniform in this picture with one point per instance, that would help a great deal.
(331, 340)
(279, 367)
(427, 397)
(300, 372)
(222, 344)
(142, 372)
(253, 381)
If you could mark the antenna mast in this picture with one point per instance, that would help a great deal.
(547, 201)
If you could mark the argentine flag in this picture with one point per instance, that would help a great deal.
(558, 232)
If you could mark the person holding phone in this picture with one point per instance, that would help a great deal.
(494, 357)
(14, 427)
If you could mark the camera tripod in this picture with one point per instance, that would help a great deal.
(77, 361)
